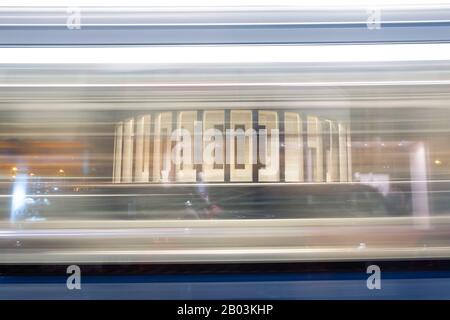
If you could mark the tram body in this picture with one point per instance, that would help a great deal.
(236, 151)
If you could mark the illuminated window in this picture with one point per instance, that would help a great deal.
(117, 168)
(330, 142)
(315, 155)
(214, 146)
(202, 151)
(349, 156)
(343, 166)
(142, 155)
(184, 162)
(128, 142)
(162, 147)
(268, 146)
(293, 153)
(241, 146)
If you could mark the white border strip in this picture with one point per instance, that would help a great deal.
(227, 54)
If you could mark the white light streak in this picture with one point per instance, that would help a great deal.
(227, 54)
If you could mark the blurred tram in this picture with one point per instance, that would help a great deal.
(211, 145)
(267, 160)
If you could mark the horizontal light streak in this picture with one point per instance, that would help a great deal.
(224, 255)
(225, 223)
(229, 84)
(226, 54)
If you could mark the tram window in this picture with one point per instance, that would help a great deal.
(241, 168)
(293, 147)
(343, 166)
(181, 154)
(315, 155)
(118, 143)
(239, 145)
(335, 152)
(349, 156)
(262, 136)
(269, 154)
(165, 164)
(214, 146)
(331, 150)
(128, 143)
(162, 147)
(185, 168)
(219, 147)
(326, 148)
(142, 161)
